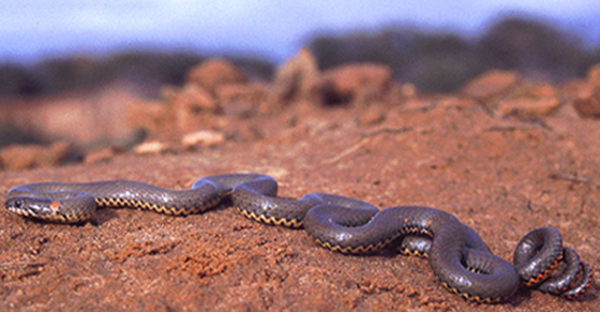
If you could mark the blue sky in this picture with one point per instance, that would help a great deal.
(272, 28)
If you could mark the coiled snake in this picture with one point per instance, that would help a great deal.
(457, 254)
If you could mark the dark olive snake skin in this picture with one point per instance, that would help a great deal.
(457, 254)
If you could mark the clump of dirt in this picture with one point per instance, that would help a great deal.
(501, 171)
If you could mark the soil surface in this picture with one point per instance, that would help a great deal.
(501, 176)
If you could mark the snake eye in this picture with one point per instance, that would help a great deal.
(18, 203)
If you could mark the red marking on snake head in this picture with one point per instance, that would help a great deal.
(55, 205)
(428, 224)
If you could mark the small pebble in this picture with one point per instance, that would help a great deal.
(204, 138)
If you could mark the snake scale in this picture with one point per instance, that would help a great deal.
(457, 254)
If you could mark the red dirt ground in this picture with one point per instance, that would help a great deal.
(501, 176)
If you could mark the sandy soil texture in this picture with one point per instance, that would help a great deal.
(501, 176)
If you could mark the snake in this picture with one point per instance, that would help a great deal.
(457, 254)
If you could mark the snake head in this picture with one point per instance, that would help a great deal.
(65, 209)
(14, 205)
(34, 208)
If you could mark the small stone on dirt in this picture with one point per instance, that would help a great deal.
(204, 138)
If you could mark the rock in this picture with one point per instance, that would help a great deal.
(408, 90)
(570, 87)
(399, 93)
(568, 112)
(203, 138)
(167, 93)
(152, 147)
(587, 102)
(215, 72)
(192, 102)
(359, 84)
(195, 98)
(102, 155)
(31, 156)
(242, 100)
(543, 91)
(593, 74)
(587, 98)
(492, 84)
(296, 78)
(529, 106)
(87, 119)
(153, 116)
(529, 99)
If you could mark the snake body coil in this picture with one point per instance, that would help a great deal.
(457, 254)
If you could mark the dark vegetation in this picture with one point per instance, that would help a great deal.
(433, 61)
(147, 70)
(444, 61)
